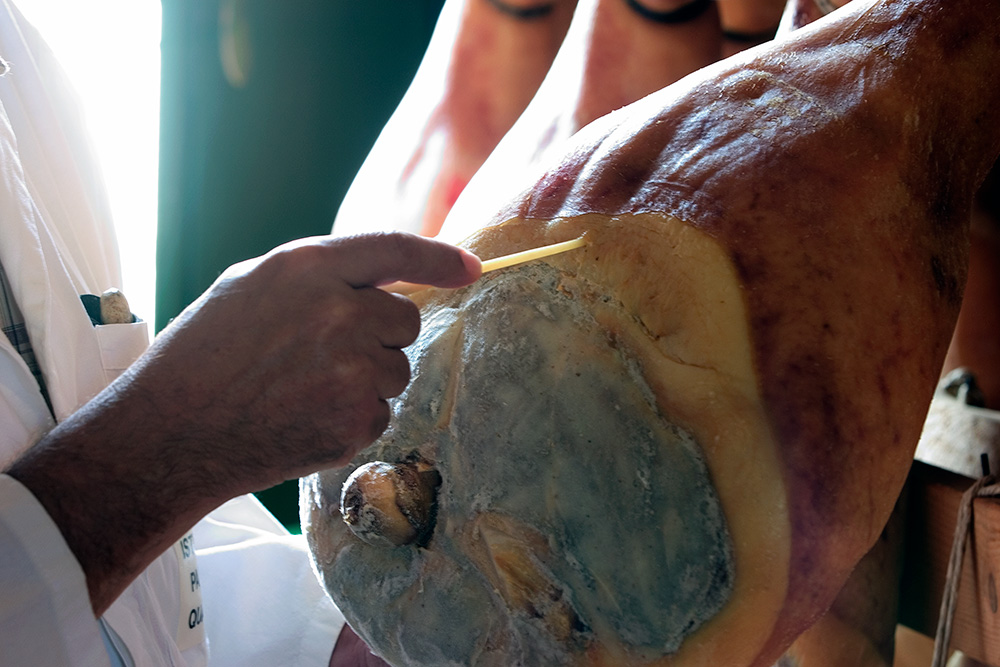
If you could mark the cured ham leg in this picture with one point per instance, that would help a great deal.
(615, 53)
(799, 13)
(484, 63)
(664, 448)
(860, 627)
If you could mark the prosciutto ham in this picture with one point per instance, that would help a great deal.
(673, 445)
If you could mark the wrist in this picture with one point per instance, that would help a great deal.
(117, 496)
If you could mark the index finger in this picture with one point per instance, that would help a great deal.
(381, 258)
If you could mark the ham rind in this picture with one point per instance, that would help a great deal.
(776, 248)
(838, 170)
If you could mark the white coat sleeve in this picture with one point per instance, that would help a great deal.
(45, 613)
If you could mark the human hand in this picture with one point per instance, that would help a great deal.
(285, 364)
(281, 368)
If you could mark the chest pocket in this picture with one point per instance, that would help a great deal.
(120, 345)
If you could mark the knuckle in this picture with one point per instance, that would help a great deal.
(346, 312)
(350, 372)
(404, 247)
(400, 243)
(293, 259)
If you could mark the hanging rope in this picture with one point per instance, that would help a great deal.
(983, 488)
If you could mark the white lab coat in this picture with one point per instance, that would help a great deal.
(261, 603)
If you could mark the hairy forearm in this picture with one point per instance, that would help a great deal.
(119, 493)
(282, 368)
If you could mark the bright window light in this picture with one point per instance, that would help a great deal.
(111, 51)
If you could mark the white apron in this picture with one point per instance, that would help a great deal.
(251, 586)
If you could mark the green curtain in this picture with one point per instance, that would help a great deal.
(268, 109)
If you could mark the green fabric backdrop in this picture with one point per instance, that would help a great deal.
(247, 165)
